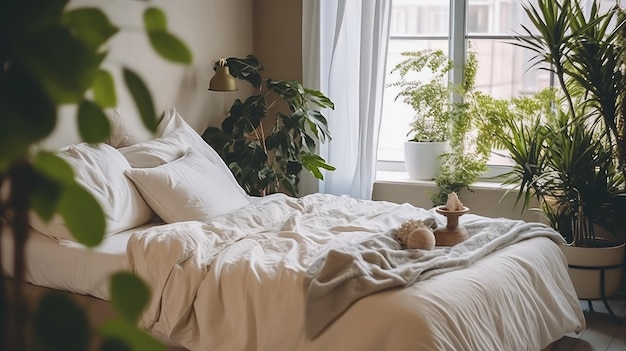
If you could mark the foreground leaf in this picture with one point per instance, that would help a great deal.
(131, 335)
(167, 45)
(130, 295)
(93, 124)
(82, 214)
(143, 99)
(60, 324)
(90, 25)
(104, 89)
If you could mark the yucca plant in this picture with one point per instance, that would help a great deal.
(585, 51)
(569, 167)
(572, 159)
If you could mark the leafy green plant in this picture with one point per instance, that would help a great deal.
(576, 166)
(468, 125)
(426, 88)
(52, 56)
(270, 137)
(569, 167)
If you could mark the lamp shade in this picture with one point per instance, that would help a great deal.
(222, 80)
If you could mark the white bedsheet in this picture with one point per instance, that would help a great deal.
(236, 283)
(67, 265)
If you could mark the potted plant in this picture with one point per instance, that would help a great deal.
(425, 87)
(269, 138)
(51, 55)
(451, 141)
(572, 158)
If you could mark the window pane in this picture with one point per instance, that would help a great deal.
(396, 114)
(503, 69)
(497, 17)
(409, 18)
(420, 17)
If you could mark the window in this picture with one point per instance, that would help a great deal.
(489, 28)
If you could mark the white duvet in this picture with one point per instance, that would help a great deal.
(237, 283)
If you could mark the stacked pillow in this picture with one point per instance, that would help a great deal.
(177, 175)
(100, 169)
(190, 188)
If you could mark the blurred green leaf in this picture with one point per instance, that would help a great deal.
(45, 195)
(60, 324)
(130, 295)
(54, 167)
(93, 124)
(90, 25)
(169, 47)
(154, 20)
(142, 97)
(104, 89)
(28, 114)
(82, 214)
(113, 344)
(51, 172)
(131, 334)
(45, 55)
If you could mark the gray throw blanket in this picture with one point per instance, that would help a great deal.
(345, 274)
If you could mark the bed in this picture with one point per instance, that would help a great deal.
(322, 272)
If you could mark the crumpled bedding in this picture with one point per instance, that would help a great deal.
(237, 283)
(344, 274)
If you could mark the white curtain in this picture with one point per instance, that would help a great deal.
(344, 44)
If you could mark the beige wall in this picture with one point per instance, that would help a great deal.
(269, 29)
(278, 37)
(211, 28)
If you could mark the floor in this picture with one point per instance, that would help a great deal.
(602, 332)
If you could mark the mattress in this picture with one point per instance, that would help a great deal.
(68, 265)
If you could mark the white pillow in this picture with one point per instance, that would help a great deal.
(126, 127)
(100, 169)
(188, 189)
(176, 137)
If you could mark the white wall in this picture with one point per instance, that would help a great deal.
(211, 29)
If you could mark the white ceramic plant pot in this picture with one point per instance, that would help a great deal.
(422, 159)
(587, 282)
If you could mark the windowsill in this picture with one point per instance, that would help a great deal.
(486, 198)
(401, 177)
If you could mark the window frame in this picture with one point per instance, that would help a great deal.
(457, 51)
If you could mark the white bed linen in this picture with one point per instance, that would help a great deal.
(67, 265)
(236, 283)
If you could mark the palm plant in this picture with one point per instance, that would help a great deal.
(569, 167)
(572, 158)
(584, 51)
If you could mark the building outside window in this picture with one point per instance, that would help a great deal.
(490, 25)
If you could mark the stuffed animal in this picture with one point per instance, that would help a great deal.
(414, 234)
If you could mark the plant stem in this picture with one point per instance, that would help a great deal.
(19, 201)
(4, 313)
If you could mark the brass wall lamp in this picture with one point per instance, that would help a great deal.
(222, 79)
